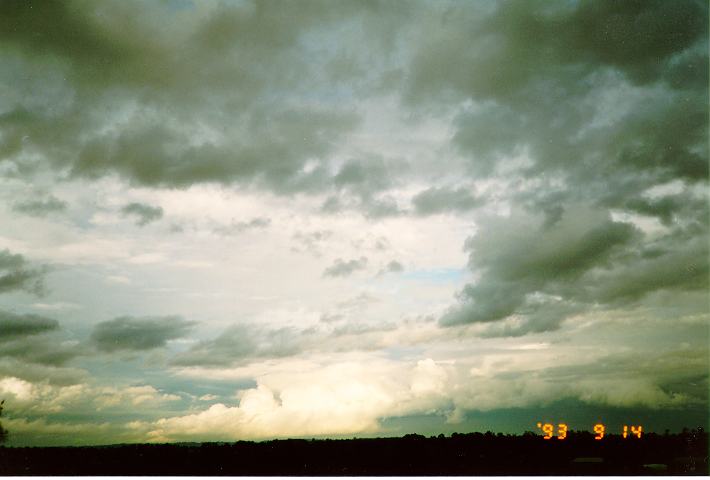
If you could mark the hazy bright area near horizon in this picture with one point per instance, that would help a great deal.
(227, 220)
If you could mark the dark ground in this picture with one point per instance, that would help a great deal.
(459, 454)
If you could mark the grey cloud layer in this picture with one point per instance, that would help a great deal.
(16, 273)
(174, 83)
(237, 78)
(136, 334)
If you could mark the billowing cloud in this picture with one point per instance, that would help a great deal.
(343, 268)
(138, 333)
(16, 273)
(305, 397)
(142, 213)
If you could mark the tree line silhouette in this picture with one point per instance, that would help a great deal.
(459, 454)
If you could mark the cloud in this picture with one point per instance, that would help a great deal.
(143, 214)
(435, 200)
(393, 267)
(32, 350)
(588, 35)
(563, 105)
(138, 333)
(243, 343)
(312, 241)
(248, 132)
(319, 396)
(668, 209)
(358, 302)
(633, 379)
(247, 343)
(24, 338)
(17, 274)
(240, 227)
(304, 399)
(342, 268)
(534, 273)
(364, 177)
(14, 325)
(621, 129)
(567, 140)
(519, 258)
(40, 207)
(43, 432)
(141, 396)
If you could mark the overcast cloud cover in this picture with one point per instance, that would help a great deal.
(228, 220)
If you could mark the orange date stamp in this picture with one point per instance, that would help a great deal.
(628, 431)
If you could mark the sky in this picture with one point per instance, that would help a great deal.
(236, 220)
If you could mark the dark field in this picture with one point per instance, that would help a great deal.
(459, 454)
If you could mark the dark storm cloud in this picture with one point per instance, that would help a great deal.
(16, 273)
(519, 42)
(240, 343)
(590, 103)
(228, 74)
(142, 213)
(536, 316)
(136, 334)
(542, 274)
(40, 207)
(15, 325)
(273, 152)
(440, 200)
(668, 209)
(519, 257)
(590, 92)
(344, 268)
(679, 269)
